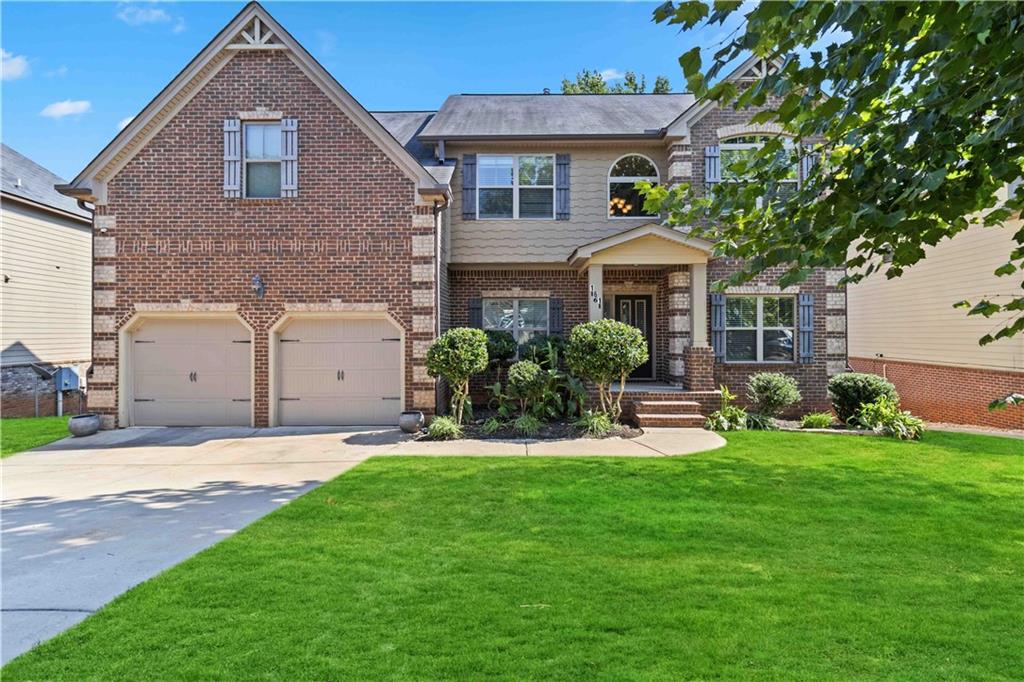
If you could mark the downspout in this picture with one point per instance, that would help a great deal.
(92, 279)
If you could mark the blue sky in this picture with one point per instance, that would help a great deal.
(72, 72)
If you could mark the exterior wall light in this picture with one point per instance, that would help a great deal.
(259, 287)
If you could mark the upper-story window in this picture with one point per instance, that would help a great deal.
(262, 159)
(624, 200)
(516, 186)
(738, 149)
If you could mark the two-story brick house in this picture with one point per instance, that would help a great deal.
(269, 252)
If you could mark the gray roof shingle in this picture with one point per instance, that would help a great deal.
(23, 177)
(405, 127)
(553, 116)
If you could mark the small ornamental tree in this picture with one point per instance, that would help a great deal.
(604, 351)
(526, 382)
(457, 355)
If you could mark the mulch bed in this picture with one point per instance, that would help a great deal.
(553, 430)
(794, 425)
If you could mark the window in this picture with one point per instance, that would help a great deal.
(524, 318)
(516, 187)
(624, 200)
(743, 149)
(759, 328)
(262, 160)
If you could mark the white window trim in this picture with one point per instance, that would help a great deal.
(246, 161)
(630, 178)
(515, 185)
(759, 330)
(516, 328)
(725, 145)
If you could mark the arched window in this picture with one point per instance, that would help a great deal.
(624, 200)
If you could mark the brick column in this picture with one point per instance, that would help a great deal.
(424, 314)
(678, 297)
(680, 164)
(700, 368)
(102, 397)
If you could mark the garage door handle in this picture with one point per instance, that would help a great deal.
(288, 398)
(145, 400)
(395, 398)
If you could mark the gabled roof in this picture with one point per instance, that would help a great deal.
(583, 253)
(554, 116)
(23, 178)
(253, 28)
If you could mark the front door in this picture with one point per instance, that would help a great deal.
(637, 310)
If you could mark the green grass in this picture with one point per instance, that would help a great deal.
(782, 556)
(24, 433)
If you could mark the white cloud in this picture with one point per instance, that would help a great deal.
(69, 107)
(15, 66)
(133, 15)
(179, 26)
(59, 72)
(612, 74)
(123, 123)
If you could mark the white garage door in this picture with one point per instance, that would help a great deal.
(191, 373)
(339, 372)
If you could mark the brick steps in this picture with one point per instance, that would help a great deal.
(677, 420)
(666, 407)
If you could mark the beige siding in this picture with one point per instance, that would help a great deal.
(551, 241)
(911, 318)
(47, 298)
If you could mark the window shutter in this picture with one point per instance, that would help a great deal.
(290, 157)
(562, 187)
(232, 158)
(806, 327)
(469, 186)
(718, 326)
(712, 165)
(555, 316)
(807, 162)
(476, 313)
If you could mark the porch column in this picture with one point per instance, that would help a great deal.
(595, 273)
(699, 305)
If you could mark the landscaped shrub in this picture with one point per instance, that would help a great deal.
(444, 428)
(527, 425)
(884, 416)
(595, 424)
(817, 420)
(501, 348)
(546, 351)
(759, 422)
(457, 355)
(770, 393)
(491, 426)
(727, 417)
(851, 390)
(605, 351)
(526, 383)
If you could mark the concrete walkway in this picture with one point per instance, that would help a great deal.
(84, 520)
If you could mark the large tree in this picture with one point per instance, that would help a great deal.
(913, 109)
(593, 83)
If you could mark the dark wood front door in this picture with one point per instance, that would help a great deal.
(637, 310)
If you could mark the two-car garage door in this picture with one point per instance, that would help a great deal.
(198, 372)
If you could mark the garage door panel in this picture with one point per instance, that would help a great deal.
(191, 373)
(312, 355)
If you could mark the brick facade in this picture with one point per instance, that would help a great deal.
(954, 395)
(352, 236)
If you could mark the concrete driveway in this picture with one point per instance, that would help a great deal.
(84, 520)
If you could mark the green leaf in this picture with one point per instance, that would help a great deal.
(690, 61)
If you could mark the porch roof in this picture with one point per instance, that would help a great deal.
(649, 244)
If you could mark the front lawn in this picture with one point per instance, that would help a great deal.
(782, 556)
(24, 433)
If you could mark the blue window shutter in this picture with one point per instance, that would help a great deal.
(562, 187)
(555, 325)
(712, 165)
(807, 162)
(232, 158)
(290, 157)
(469, 186)
(476, 313)
(718, 326)
(806, 327)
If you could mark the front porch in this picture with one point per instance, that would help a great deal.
(655, 278)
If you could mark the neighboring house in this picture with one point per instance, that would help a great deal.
(46, 264)
(907, 330)
(275, 254)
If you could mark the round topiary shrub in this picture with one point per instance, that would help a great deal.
(526, 382)
(851, 390)
(605, 351)
(457, 355)
(772, 392)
